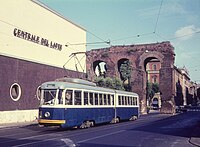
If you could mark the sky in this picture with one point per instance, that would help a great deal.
(126, 22)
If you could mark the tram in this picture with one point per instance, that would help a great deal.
(69, 102)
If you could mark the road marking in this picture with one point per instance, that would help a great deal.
(100, 136)
(69, 142)
(34, 142)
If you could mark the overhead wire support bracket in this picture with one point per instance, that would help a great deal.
(107, 42)
(73, 55)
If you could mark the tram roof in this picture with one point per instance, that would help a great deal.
(64, 85)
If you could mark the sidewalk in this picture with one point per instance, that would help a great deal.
(195, 139)
(18, 124)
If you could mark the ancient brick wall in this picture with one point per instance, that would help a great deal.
(139, 55)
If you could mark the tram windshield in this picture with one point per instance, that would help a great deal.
(52, 97)
(49, 97)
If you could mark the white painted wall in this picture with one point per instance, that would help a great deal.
(33, 18)
(18, 116)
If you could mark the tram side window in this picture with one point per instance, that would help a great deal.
(91, 99)
(125, 100)
(112, 99)
(77, 97)
(128, 100)
(131, 100)
(135, 101)
(109, 99)
(100, 99)
(122, 97)
(85, 98)
(60, 100)
(68, 97)
(105, 99)
(119, 100)
(96, 98)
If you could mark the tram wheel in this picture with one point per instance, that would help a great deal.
(133, 117)
(87, 124)
(115, 120)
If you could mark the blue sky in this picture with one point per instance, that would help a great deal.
(121, 21)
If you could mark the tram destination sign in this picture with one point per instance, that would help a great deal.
(36, 39)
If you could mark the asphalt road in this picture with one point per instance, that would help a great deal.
(153, 130)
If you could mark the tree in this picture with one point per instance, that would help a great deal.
(125, 71)
(152, 88)
(99, 81)
(118, 84)
(108, 82)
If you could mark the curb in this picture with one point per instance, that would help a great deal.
(195, 138)
(195, 141)
(18, 124)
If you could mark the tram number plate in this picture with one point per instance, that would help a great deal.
(51, 85)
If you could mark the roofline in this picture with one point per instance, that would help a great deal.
(90, 87)
(56, 13)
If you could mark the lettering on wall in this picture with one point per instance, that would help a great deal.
(36, 39)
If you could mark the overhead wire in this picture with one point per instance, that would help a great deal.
(135, 36)
(158, 17)
(145, 34)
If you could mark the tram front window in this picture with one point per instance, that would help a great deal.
(49, 97)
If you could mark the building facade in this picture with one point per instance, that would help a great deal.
(185, 89)
(34, 48)
(152, 68)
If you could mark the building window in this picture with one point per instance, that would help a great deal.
(15, 92)
(38, 93)
(154, 67)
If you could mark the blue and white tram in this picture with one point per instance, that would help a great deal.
(75, 102)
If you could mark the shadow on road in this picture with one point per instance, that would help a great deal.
(182, 125)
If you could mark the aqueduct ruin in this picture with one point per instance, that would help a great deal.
(138, 56)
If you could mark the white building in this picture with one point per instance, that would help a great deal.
(33, 49)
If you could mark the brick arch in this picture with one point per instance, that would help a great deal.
(145, 57)
(96, 63)
(151, 54)
(119, 62)
(138, 55)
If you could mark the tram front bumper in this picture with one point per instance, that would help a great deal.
(51, 122)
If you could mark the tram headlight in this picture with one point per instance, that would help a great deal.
(47, 114)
